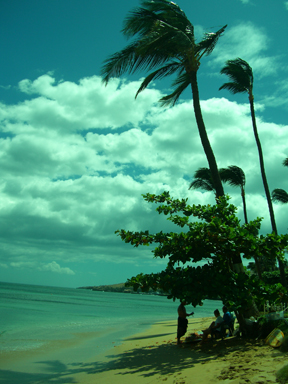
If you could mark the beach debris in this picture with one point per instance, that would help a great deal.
(275, 338)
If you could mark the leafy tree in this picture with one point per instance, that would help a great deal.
(280, 195)
(241, 76)
(232, 175)
(165, 44)
(200, 256)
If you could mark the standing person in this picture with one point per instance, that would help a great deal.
(214, 325)
(182, 321)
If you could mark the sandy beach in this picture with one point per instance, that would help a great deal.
(148, 357)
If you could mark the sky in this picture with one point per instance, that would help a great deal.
(77, 156)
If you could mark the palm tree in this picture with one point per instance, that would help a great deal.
(165, 44)
(203, 180)
(241, 76)
(278, 194)
(235, 177)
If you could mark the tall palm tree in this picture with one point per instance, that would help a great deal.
(203, 180)
(241, 76)
(235, 177)
(165, 44)
(280, 195)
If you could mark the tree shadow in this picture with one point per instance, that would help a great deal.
(13, 377)
(148, 337)
(161, 359)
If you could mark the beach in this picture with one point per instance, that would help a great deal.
(151, 356)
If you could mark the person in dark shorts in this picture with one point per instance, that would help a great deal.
(182, 321)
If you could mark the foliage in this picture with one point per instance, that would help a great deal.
(272, 277)
(203, 180)
(200, 258)
(266, 326)
(164, 43)
(282, 375)
(241, 75)
(233, 175)
(280, 196)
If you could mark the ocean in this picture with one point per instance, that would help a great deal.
(31, 316)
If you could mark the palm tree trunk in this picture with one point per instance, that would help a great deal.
(237, 261)
(246, 222)
(204, 137)
(244, 205)
(266, 188)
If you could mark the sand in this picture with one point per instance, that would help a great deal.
(148, 357)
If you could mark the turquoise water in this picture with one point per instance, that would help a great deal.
(32, 315)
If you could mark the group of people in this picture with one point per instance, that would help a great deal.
(215, 326)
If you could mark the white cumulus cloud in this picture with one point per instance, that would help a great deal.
(55, 267)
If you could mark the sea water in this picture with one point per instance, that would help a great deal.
(32, 315)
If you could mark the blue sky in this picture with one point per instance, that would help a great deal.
(76, 155)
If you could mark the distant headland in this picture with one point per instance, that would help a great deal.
(121, 288)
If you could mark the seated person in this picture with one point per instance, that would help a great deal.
(228, 319)
(213, 326)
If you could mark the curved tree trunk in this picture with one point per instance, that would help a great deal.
(265, 183)
(204, 137)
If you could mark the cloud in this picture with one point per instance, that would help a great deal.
(34, 265)
(249, 42)
(68, 107)
(286, 4)
(71, 176)
(280, 96)
(55, 268)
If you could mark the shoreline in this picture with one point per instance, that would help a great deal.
(151, 356)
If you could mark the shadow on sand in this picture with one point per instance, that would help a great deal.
(162, 359)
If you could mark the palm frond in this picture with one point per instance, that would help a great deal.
(280, 196)
(233, 175)
(169, 42)
(182, 82)
(233, 88)
(201, 184)
(131, 59)
(170, 13)
(139, 21)
(156, 15)
(160, 73)
(241, 75)
(285, 162)
(202, 180)
(207, 45)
